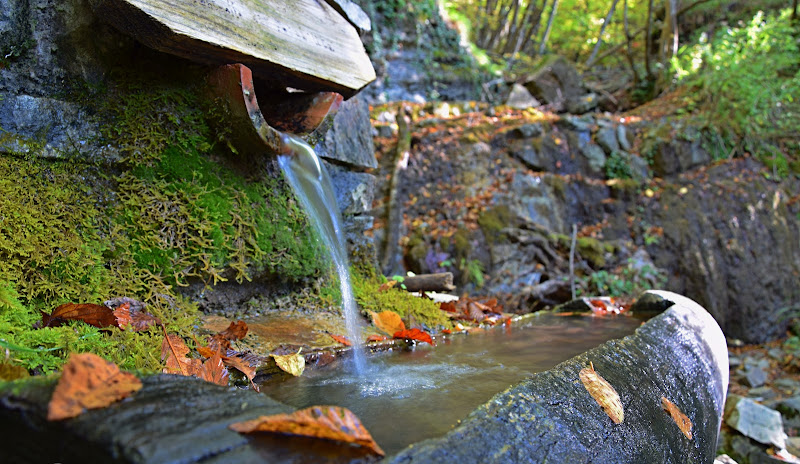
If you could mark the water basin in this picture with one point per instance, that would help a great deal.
(408, 396)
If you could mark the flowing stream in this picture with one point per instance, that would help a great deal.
(312, 186)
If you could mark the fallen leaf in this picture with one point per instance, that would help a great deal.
(377, 338)
(326, 422)
(136, 319)
(236, 331)
(448, 306)
(603, 393)
(387, 285)
(12, 372)
(388, 321)
(242, 366)
(294, 364)
(214, 371)
(93, 314)
(173, 352)
(414, 334)
(343, 340)
(89, 382)
(679, 417)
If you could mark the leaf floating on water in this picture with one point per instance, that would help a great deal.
(89, 382)
(388, 321)
(343, 340)
(603, 393)
(377, 338)
(414, 334)
(327, 422)
(294, 364)
(679, 417)
(93, 314)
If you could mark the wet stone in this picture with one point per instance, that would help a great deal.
(787, 384)
(776, 353)
(607, 138)
(755, 421)
(762, 393)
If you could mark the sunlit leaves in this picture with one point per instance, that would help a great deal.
(603, 393)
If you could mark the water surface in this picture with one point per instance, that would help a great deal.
(404, 397)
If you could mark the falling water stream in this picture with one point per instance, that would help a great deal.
(312, 186)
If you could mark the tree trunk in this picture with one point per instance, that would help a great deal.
(596, 48)
(530, 24)
(543, 43)
(648, 66)
(513, 28)
(628, 50)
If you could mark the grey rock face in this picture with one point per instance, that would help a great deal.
(350, 138)
(595, 157)
(520, 98)
(607, 138)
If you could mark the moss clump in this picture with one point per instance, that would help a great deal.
(592, 250)
(494, 220)
(170, 207)
(409, 307)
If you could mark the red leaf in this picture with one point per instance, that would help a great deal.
(236, 331)
(214, 371)
(133, 317)
(326, 422)
(97, 315)
(376, 338)
(414, 334)
(448, 306)
(343, 340)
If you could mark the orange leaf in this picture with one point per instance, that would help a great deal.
(388, 321)
(603, 393)
(214, 371)
(679, 417)
(89, 382)
(93, 314)
(414, 334)
(327, 422)
(343, 340)
(387, 285)
(174, 351)
(376, 338)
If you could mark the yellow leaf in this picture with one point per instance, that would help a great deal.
(294, 364)
(679, 417)
(603, 393)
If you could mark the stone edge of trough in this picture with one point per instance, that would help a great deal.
(680, 354)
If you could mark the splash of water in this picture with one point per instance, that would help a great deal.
(312, 186)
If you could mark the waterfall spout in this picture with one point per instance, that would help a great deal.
(312, 186)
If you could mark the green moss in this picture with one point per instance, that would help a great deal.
(592, 250)
(174, 208)
(421, 310)
(493, 220)
(461, 245)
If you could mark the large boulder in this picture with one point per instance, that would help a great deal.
(557, 83)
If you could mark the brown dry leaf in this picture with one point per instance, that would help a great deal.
(327, 422)
(388, 321)
(387, 285)
(173, 352)
(89, 382)
(236, 331)
(679, 417)
(12, 372)
(242, 366)
(294, 364)
(136, 319)
(97, 315)
(603, 393)
(214, 371)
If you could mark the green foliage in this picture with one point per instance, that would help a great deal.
(473, 269)
(745, 82)
(618, 167)
(627, 281)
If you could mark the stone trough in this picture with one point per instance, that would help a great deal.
(679, 355)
